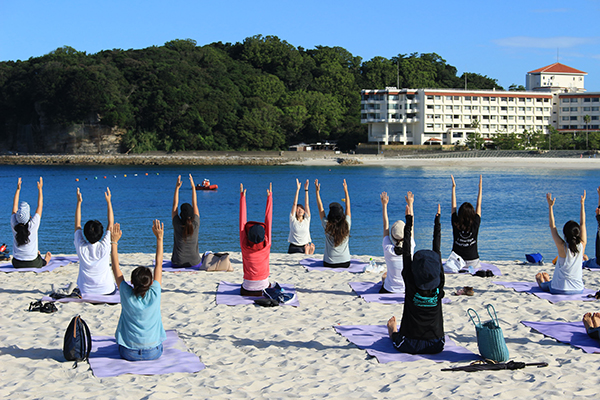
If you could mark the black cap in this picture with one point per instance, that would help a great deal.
(187, 211)
(426, 269)
(256, 233)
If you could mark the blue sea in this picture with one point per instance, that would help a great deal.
(514, 212)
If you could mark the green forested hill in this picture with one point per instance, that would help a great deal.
(262, 93)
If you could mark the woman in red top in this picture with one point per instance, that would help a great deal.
(255, 242)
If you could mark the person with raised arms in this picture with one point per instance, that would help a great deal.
(393, 240)
(140, 332)
(25, 231)
(422, 327)
(299, 237)
(186, 226)
(95, 275)
(567, 278)
(465, 230)
(337, 230)
(255, 243)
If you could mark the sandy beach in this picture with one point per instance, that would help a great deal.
(288, 352)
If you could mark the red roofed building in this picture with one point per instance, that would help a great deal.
(556, 77)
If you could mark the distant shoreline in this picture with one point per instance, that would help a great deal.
(307, 159)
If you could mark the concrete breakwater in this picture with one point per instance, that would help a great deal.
(184, 158)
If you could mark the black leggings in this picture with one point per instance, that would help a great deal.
(294, 248)
(338, 265)
(39, 262)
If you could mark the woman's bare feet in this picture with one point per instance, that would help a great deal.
(309, 248)
(596, 320)
(48, 257)
(587, 321)
(542, 277)
(392, 326)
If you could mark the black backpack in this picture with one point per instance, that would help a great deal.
(78, 341)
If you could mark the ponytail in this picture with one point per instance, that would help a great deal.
(22, 234)
(398, 248)
(188, 228)
(572, 232)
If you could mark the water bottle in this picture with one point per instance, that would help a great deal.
(372, 265)
(471, 269)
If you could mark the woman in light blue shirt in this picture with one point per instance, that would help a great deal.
(140, 331)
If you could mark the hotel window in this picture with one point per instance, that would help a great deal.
(539, 109)
(528, 109)
(546, 118)
(438, 126)
(503, 99)
(438, 107)
(574, 100)
(565, 109)
(430, 126)
(474, 98)
(538, 118)
(564, 100)
(538, 100)
(492, 99)
(475, 107)
(485, 126)
(438, 97)
(467, 98)
(492, 117)
(594, 118)
(448, 97)
(393, 106)
(448, 125)
(393, 97)
(457, 117)
(448, 116)
(528, 99)
(573, 108)
(573, 118)
(521, 118)
(511, 109)
(457, 134)
(595, 99)
(503, 127)
(587, 100)
(521, 109)
(430, 106)
(511, 99)
(503, 108)
(485, 98)
(438, 117)
(546, 108)
(429, 116)
(564, 118)
(467, 117)
(528, 118)
(457, 108)
(546, 100)
(587, 108)
(493, 126)
(511, 117)
(521, 99)
(503, 117)
(429, 97)
(485, 108)
(595, 108)
(467, 108)
(521, 126)
(448, 107)
(456, 98)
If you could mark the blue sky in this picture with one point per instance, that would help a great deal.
(501, 39)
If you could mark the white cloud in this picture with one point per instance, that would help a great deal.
(560, 42)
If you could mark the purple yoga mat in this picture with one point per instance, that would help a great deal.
(229, 294)
(106, 361)
(533, 288)
(375, 339)
(168, 267)
(315, 264)
(483, 266)
(55, 262)
(567, 332)
(370, 292)
(89, 298)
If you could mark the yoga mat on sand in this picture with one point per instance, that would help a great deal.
(369, 291)
(484, 267)
(55, 262)
(89, 298)
(533, 288)
(315, 264)
(566, 332)
(229, 294)
(376, 341)
(106, 361)
(169, 267)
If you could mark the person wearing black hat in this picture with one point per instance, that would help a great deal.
(186, 226)
(337, 230)
(422, 327)
(255, 242)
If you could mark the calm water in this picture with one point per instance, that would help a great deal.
(514, 220)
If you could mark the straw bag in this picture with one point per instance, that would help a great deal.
(217, 262)
(490, 338)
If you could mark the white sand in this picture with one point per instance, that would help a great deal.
(476, 162)
(287, 352)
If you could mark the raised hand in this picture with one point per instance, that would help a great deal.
(307, 184)
(40, 183)
(270, 190)
(439, 210)
(384, 198)
(298, 184)
(158, 229)
(191, 181)
(410, 198)
(19, 186)
(79, 197)
(454, 183)
(583, 198)
(107, 195)
(178, 184)
(317, 185)
(550, 200)
(242, 190)
(115, 232)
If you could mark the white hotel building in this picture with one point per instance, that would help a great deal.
(555, 96)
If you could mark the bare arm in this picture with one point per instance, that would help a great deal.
(158, 229)
(386, 222)
(582, 221)
(298, 186)
(560, 244)
(115, 235)
(18, 193)
(176, 197)
(347, 199)
(306, 208)
(78, 211)
(478, 209)
(194, 197)
(453, 194)
(319, 202)
(109, 208)
(410, 199)
(40, 204)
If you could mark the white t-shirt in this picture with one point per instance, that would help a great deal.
(299, 230)
(567, 274)
(95, 272)
(28, 251)
(393, 280)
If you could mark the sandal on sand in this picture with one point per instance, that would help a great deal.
(48, 308)
(35, 306)
(465, 291)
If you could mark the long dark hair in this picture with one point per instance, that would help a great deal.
(466, 217)
(338, 229)
(22, 234)
(141, 278)
(572, 232)
(398, 246)
(187, 218)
